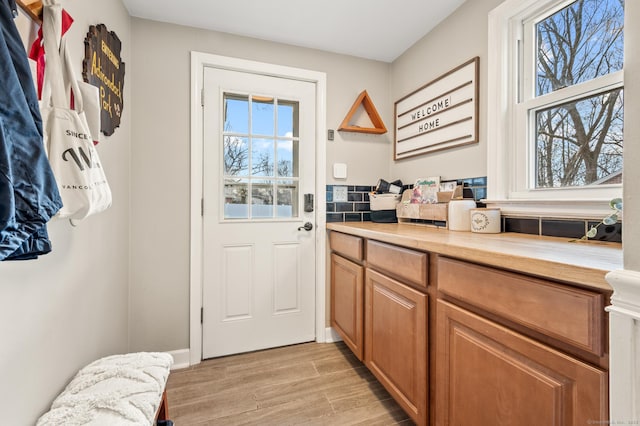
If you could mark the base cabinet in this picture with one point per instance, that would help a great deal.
(347, 299)
(488, 374)
(396, 341)
(459, 343)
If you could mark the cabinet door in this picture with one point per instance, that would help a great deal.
(490, 375)
(396, 341)
(347, 299)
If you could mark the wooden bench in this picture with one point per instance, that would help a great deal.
(124, 389)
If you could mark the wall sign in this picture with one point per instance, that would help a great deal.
(103, 67)
(441, 114)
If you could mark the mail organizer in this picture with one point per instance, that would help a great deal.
(406, 211)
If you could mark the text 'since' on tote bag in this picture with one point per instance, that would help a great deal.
(67, 137)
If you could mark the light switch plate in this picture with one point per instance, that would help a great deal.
(340, 171)
(340, 194)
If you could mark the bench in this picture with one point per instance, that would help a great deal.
(126, 389)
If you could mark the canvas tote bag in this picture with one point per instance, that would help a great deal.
(90, 95)
(68, 141)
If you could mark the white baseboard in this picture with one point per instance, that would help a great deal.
(331, 336)
(180, 359)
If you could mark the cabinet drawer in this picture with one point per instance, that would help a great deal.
(347, 245)
(565, 313)
(408, 265)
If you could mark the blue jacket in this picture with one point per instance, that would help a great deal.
(29, 195)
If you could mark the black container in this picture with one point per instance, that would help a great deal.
(384, 216)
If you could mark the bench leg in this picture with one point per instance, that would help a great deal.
(163, 410)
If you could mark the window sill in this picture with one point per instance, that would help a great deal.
(569, 209)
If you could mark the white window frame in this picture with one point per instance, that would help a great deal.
(508, 165)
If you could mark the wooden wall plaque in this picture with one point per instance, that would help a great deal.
(441, 114)
(103, 68)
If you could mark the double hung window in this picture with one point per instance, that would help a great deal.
(556, 94)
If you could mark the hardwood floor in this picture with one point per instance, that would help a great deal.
(307, 384)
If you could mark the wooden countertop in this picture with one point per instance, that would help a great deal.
(584, 263)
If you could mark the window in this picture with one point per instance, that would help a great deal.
(556, 102)
(260, 157)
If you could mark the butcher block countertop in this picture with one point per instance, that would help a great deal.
(583, 263)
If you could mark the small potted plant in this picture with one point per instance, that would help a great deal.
(616, 206)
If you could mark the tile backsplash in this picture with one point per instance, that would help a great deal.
(566, 228)
(357, 209)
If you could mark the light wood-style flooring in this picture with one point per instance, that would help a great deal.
(306, 384)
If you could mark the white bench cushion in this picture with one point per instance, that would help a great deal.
(115, 390)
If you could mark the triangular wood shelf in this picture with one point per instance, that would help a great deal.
(367, 104)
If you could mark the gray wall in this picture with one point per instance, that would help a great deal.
(70, 307)
(459, 38)
(160, 157)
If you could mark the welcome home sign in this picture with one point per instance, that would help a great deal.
(441, 114)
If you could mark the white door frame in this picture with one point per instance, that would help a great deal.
(199, 61)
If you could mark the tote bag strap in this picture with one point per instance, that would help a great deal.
(53, 92)
(70, 76)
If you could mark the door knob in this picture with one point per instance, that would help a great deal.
(307, 227)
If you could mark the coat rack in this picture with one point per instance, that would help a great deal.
(33, 8)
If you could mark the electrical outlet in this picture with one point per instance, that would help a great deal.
(340, 194)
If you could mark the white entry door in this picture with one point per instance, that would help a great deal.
(258, 259)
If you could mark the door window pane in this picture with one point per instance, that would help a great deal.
(262, 116)
(287, 156)
(287, 199)
(236, 196)
(236, 156)
(262, 199)
(262, 157)
(580, 142)
(287, 118)
(236, 113)
(581, 42)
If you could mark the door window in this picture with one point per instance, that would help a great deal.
(260, 155)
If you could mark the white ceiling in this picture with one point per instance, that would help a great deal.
(373, 29)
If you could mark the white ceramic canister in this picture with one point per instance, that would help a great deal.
(486, 221)
(459, 211)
